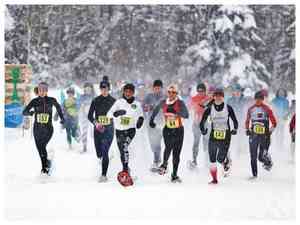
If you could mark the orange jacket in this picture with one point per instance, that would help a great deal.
(197, 104)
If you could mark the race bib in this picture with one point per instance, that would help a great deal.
(103, 120)
(42, 118)
(259, 129)
(172, 123)
(125, 121)
(219, 134)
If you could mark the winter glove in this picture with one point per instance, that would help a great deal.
(99, 127)
(119, 113)
(248, 132)
(204, 131)
(152, 124)
(62, 122)
(233, 132)
(140, 122)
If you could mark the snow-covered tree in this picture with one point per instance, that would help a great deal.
(227, 54)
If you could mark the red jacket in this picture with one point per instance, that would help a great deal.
(267, 109)
(196, 105)
(293, 123)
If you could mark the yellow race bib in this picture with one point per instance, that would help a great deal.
(219, 134)
(125, 121)
(42, 118)
(103, 120)
(172, 123)
(259, 129)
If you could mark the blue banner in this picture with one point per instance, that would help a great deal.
(13, 115)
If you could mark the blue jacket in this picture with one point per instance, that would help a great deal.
(281, 106)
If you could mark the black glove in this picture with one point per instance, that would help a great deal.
(171, 110)
(31, 113)
(233, 132)
(119, 113)
(152, 124)
(140, 122)
(62, 122)
(204, 131)
(248, 132)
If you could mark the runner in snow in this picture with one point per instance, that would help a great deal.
(238, 102)
(280, 105)
(42, 128)
(154, 134)
(128, 116)
(70, 109)
(220, 135)
(174, 111)
(259, 131)
(197, 106)
(293, 137)
(85, 103)
(103, 126)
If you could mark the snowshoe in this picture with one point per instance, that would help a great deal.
(50, 167)
(162, 170)
(268, 166)
(213, 182)
(176, 179)
(125, 179)
(44, 174)
(84, 150)
(102, 179)
(191, 165)
(226, 167)
(252, 178)
(154, 168)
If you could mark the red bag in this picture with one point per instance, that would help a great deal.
(125, 179)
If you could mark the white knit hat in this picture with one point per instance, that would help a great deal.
(173, 87)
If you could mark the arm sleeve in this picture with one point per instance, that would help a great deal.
(204, 118)
(91, 112)
(114, 108)
(140, 111)
(58, 109)
(272, 117)
(233, 117)
(247, 122)
(156, 110)
(26, 111)
(183, 110)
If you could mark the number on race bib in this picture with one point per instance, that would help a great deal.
(42, 117)
(172, 123)
(103, 120)
(219, 134)
(259, 129)
(125, 121)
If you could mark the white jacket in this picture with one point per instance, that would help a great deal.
(129, 120)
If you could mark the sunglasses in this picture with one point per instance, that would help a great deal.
(172, 92)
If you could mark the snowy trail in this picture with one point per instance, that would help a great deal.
(74, 192)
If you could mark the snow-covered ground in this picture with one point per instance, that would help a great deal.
(74, 193)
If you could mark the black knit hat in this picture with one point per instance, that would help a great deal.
(259, 95)
(71, 90)
(104, 84)
(201, 87)
(129, 86)
(157, 83)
